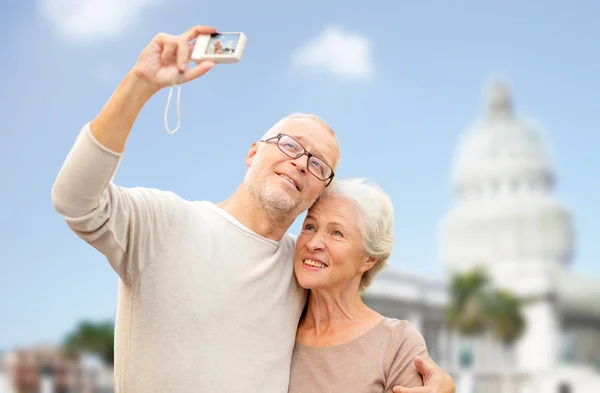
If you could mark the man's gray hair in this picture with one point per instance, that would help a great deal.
(376, 215)
(300, 116)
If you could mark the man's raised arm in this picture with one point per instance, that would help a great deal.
(162, 63)
(120, 222)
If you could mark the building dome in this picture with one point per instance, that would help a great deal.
(501, 146)
(502, 183)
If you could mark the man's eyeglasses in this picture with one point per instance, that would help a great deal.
(293, 149)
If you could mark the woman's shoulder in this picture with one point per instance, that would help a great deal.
(401, 329)
(404, 338)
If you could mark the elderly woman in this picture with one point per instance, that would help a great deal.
(342, 345)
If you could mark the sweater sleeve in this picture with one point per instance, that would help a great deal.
(127, 225)
(408, 343)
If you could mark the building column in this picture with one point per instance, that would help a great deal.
(539, 347)
(47, 380)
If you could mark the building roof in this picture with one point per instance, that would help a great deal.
(578, 296)
(396, 284)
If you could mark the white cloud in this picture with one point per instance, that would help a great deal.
(83, 20)
(337, 52)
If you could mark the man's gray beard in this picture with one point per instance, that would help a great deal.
(273, 200)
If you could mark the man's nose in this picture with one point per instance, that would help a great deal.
(300, 163)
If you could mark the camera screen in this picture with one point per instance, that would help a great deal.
(222, 44)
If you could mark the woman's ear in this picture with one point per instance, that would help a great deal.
(368, 265)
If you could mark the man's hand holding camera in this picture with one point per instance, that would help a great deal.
(165, 61)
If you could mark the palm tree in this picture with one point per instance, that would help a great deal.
(476, 308)
(466, 311)
(96, 338)
(505, 315)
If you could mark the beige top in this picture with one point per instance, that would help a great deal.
(376, 361)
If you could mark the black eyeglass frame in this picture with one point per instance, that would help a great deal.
(328, 179)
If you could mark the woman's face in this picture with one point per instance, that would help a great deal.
(329, 249)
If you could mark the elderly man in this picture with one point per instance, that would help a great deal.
(207, 295)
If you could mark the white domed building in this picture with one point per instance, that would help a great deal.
(505, 218)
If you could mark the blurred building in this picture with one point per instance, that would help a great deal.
(505, 218)
(48, 369)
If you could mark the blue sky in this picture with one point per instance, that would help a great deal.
(402, 85)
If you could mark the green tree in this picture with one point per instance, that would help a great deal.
(96, 338)
(466, 312)
(476, 308)
(504, 312)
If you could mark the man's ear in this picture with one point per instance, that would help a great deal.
(252, 153)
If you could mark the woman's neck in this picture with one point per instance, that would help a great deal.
(335, 317)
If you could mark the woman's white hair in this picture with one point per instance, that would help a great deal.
(376, 215)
